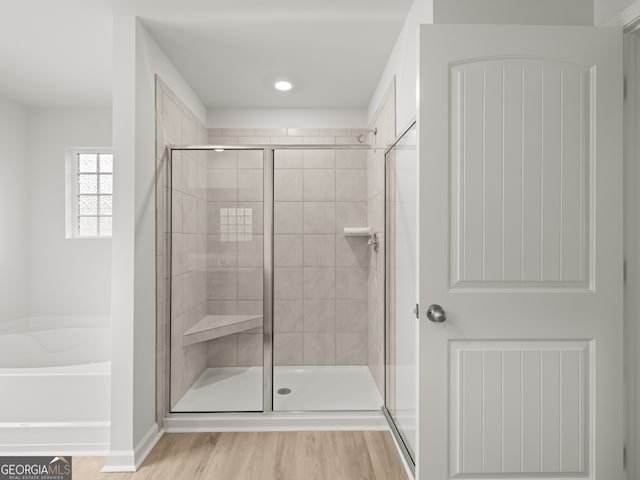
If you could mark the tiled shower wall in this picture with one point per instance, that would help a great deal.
(188, 267)
(235, 258)
(320, 276)
(385, 122)
(175, 125)
(320, 286)
(284, 136)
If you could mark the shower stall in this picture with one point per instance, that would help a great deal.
(291, 280)
(270, 254)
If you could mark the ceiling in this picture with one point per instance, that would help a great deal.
(230, 51)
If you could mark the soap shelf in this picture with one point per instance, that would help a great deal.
(216, 326)
(363, 232)
(357, 231)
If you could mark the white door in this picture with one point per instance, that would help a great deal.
(520, 147)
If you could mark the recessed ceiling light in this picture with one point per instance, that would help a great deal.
(283, 86)
(219, 149)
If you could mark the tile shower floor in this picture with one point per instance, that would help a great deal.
(238, 389)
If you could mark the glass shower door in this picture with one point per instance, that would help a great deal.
(217, 204)
(401, 164)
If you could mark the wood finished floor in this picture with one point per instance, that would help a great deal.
(261, 456)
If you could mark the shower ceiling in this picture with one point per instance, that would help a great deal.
(230, 51)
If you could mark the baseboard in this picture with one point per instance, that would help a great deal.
(130, 460)
(54, 438)
(119, 461)
(276, 421)
(146, 444)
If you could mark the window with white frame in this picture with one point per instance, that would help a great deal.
(89, 192)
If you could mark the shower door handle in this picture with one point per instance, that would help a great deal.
(436, 313)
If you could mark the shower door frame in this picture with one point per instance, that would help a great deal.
(395, 431)
(268, 269)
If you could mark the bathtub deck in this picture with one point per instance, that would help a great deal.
(317, 388)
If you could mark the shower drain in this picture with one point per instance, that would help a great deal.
(284, 391)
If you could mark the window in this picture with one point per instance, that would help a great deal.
(236, 224)
(89, 192)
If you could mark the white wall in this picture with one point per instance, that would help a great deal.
(67, 277)
(515, 12)
(403, 64)
(137, 60)
(605, 10)
(287, 117)
(14, 184)
(403, 59)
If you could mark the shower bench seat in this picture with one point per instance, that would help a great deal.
(215, 326)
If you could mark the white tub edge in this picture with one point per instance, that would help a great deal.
(20, 325)
(94, 368)
(55, 438)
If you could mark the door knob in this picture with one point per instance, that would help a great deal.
(436, 314)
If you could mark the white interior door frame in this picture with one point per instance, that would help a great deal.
(631, 248)
(629, 19)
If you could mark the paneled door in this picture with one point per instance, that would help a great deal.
(520, 335)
